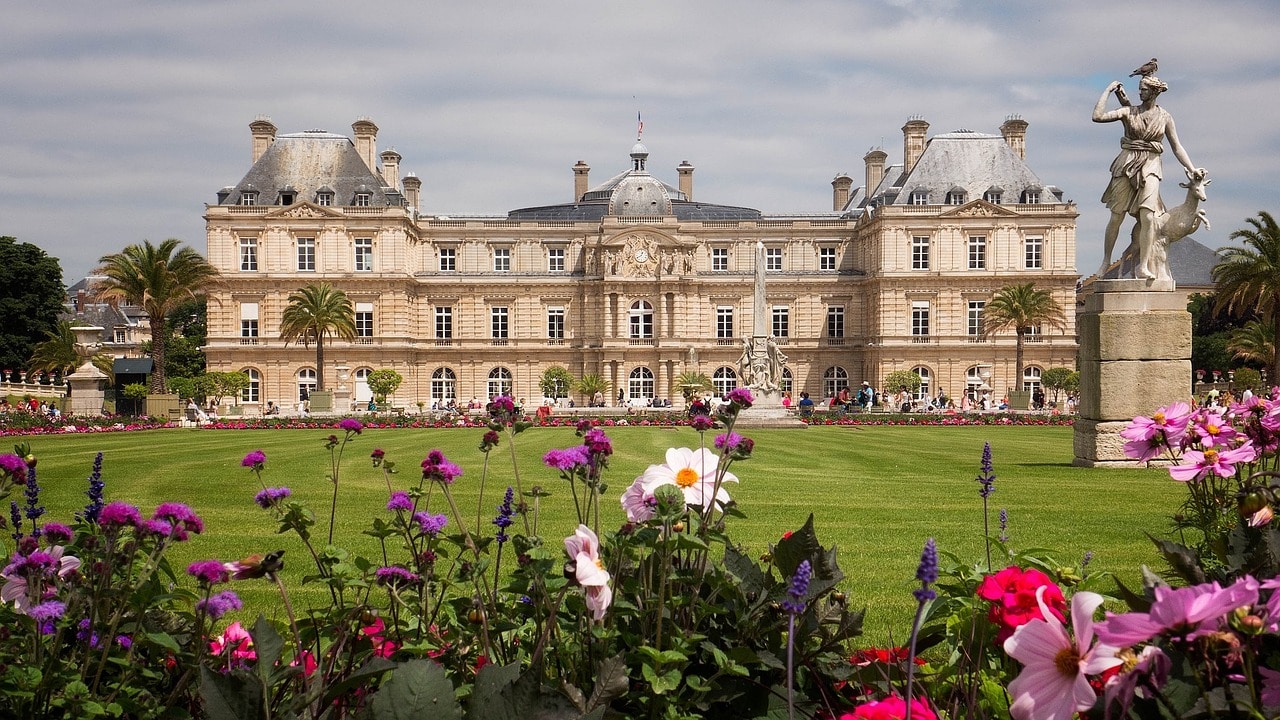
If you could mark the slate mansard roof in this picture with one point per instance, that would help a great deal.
(307, 163)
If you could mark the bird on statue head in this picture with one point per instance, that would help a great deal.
(1146, 69)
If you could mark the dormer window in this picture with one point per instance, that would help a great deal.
(956, 196)
(249, 197)
(919, 197)
(1031, 196)
(324, 199)
(993, 195)
(362, 199)
(288, 195)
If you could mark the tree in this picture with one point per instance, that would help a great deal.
(898, 378)
(1020, 307)
(383, 383)
(693, 383)
(186, 331)
(217, 385)
(1253, 343)
(591, 384)
(31, 297)
(156, 278)
(1056, 379)
(555, 382)
(1248, 278)
(314, 312)
(57, 353)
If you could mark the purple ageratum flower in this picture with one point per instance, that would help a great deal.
(584, 425)
(489, 441)
(57, 533)
(350, 425)
(84, 633)
(503, 404)
(119, 514)
(734, 444)
(431, 524)
(254, 460)
(395, 576)
(740, 397)
(208, 572)
(182, 516)
(269, 497)
(215, 606)
(47, 611)
(566, 460)
(506, 515)
(94, 493)
(160, 528)
(799, 586)
(597, 442)
(14, 466)
(438, 467)
(702, 423)
(987, 478)
(927, 572)
(124, 641)
(400, 500)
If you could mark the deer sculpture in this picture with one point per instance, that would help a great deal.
(1171, 226)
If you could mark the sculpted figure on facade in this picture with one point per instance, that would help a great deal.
(1137, 170)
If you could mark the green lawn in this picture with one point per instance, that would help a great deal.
(876, 493)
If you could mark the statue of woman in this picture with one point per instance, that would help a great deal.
(1136, 172)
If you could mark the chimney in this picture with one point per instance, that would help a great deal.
(1014, 131)
(366, 141)
(840, 188)
(875, 160)
(412, 191)
(391, 168)
(685, 170)
(913, 136)
(264, 133)
(580, 186)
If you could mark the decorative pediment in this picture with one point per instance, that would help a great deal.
(979, 209)
(646, 254)
(304, 210)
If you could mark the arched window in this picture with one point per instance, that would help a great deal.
(363, 393)
(252, 393)
(785, 385)
(640, 384)
(723, 380)
(499, 382)
(834, 380)
(306, 382)
(1030, 378)
(973, 381)
(925, 385)
(444, 385)
(641, 320)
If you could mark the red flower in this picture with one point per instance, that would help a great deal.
(1012, 593)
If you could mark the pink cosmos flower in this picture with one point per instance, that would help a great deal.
(1053, 683)
(16, 588)
(693, 471)
(235, 640)
(1148, 437)
(639, 507)
(1187, 612)
(1148, 669)
(1212, 429)
(583, 547)
(1219, 460)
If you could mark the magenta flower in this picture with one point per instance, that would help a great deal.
(1053, 683)
(215, 606)
(1149, 670)
(638, 505)
(1187, 612)
(1218, 460)
(350, 425)
(119, 514)
(438, 467)
(1212, 429)
(1148, 437)
(702, 423)
(209, 572)
(566, 460)
(183, 518)
(400, 500)
(267, 497)
(14, 466)
(740, 396)
(395, 576)
(255, 460)
(57, 533)
(431, 524)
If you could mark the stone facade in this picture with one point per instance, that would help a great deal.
(635, 281)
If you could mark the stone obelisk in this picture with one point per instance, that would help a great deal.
(762, 361)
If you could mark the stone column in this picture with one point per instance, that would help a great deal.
(1135, 356)
(86, 380)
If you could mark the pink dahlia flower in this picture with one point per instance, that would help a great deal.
(583, 547)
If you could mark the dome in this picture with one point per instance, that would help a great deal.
(640, 195)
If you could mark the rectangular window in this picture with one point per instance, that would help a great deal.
(502, 259)
(362, 199)
(499, 326)
(781, 321)
(119, 336)
(1033, 253)
(249, 321)
(555, 260)
(920, 318)
(724, 323)
(448, 259)
(364, 254)
(364, 320)
(306, 254)
(975, 317)
(555, 323)
(827, 258)
(993, 196)
(919, 253)
(444, 323)
(835, 321)
(248, 198)
(773, 259)
(324, 199)
(248, 328)
(977, 252)
(720, 259)
(249, 254)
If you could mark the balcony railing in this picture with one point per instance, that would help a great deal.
(444, 342)
(499, 342)
(555, 341)
(248, 341)
(726, 341)
(641, 341)
(835, 342)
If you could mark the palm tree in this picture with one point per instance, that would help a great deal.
(1020, 307)
(1253, 343)
(57, 353)
(156, 278)
(693, 383)
(313, 312)
(1248, 278)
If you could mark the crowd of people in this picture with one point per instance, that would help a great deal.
(30, 406)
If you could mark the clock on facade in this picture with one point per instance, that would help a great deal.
(642, 255)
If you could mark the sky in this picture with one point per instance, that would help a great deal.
(121, 120)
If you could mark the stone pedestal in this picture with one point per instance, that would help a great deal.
(766, 411)
(1135, 355)
(86, 380)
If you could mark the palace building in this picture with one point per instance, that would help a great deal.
(636, 280)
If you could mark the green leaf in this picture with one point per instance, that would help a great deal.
(663, 683)
(800, 546)
(491, 681)
(231, 696)
(416, 689)
(373, 668)
(268, 644)
(753, 579)
(611, 681)
(164, 640)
